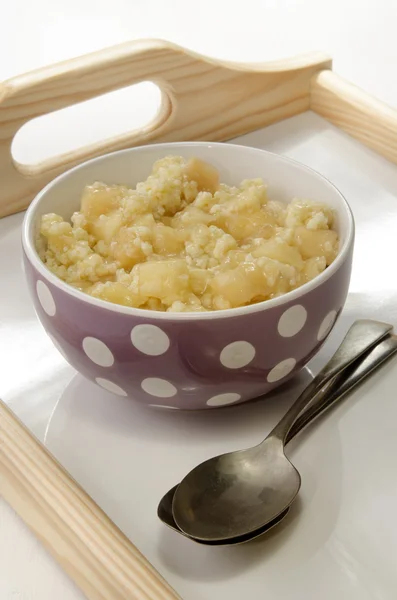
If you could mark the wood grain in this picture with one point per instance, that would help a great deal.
(363, 117)
(202, 99)
(85, 542)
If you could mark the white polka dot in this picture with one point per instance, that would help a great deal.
(237, 355)
(281, 370)
(150, 340)
(98, 352)
(163, 406)
(110, 386)
(161, 388)
(223, 399)
(326, 325)
(292, 321)
(45, 297)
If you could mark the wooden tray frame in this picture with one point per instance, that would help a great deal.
(202, 99)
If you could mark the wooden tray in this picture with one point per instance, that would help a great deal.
(202, 100)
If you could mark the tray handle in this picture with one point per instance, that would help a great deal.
(359, 114)
(202, 99)
(85, 542)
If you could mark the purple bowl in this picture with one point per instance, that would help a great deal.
(189, 360)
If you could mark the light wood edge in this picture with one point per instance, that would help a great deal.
(202, 99)
(84, 541)
(359, 114)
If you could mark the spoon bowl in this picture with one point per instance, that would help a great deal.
(164, 513)
(237, 493)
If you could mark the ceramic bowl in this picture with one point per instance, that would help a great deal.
(189, 360)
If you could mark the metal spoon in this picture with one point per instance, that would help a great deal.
(237, 493)
(334, 391)
(164, 512)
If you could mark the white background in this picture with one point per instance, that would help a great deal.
(360, 35)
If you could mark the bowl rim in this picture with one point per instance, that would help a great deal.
(32, 254)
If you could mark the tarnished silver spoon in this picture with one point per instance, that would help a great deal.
(237, 493)
(342, 384)
(235, 496)
(164, 512)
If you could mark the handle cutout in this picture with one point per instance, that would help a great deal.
(44, 143)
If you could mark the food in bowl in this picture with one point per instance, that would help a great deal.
(196, 359)
(181, 241)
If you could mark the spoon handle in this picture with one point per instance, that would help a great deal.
(343, 383)
(361, 337)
